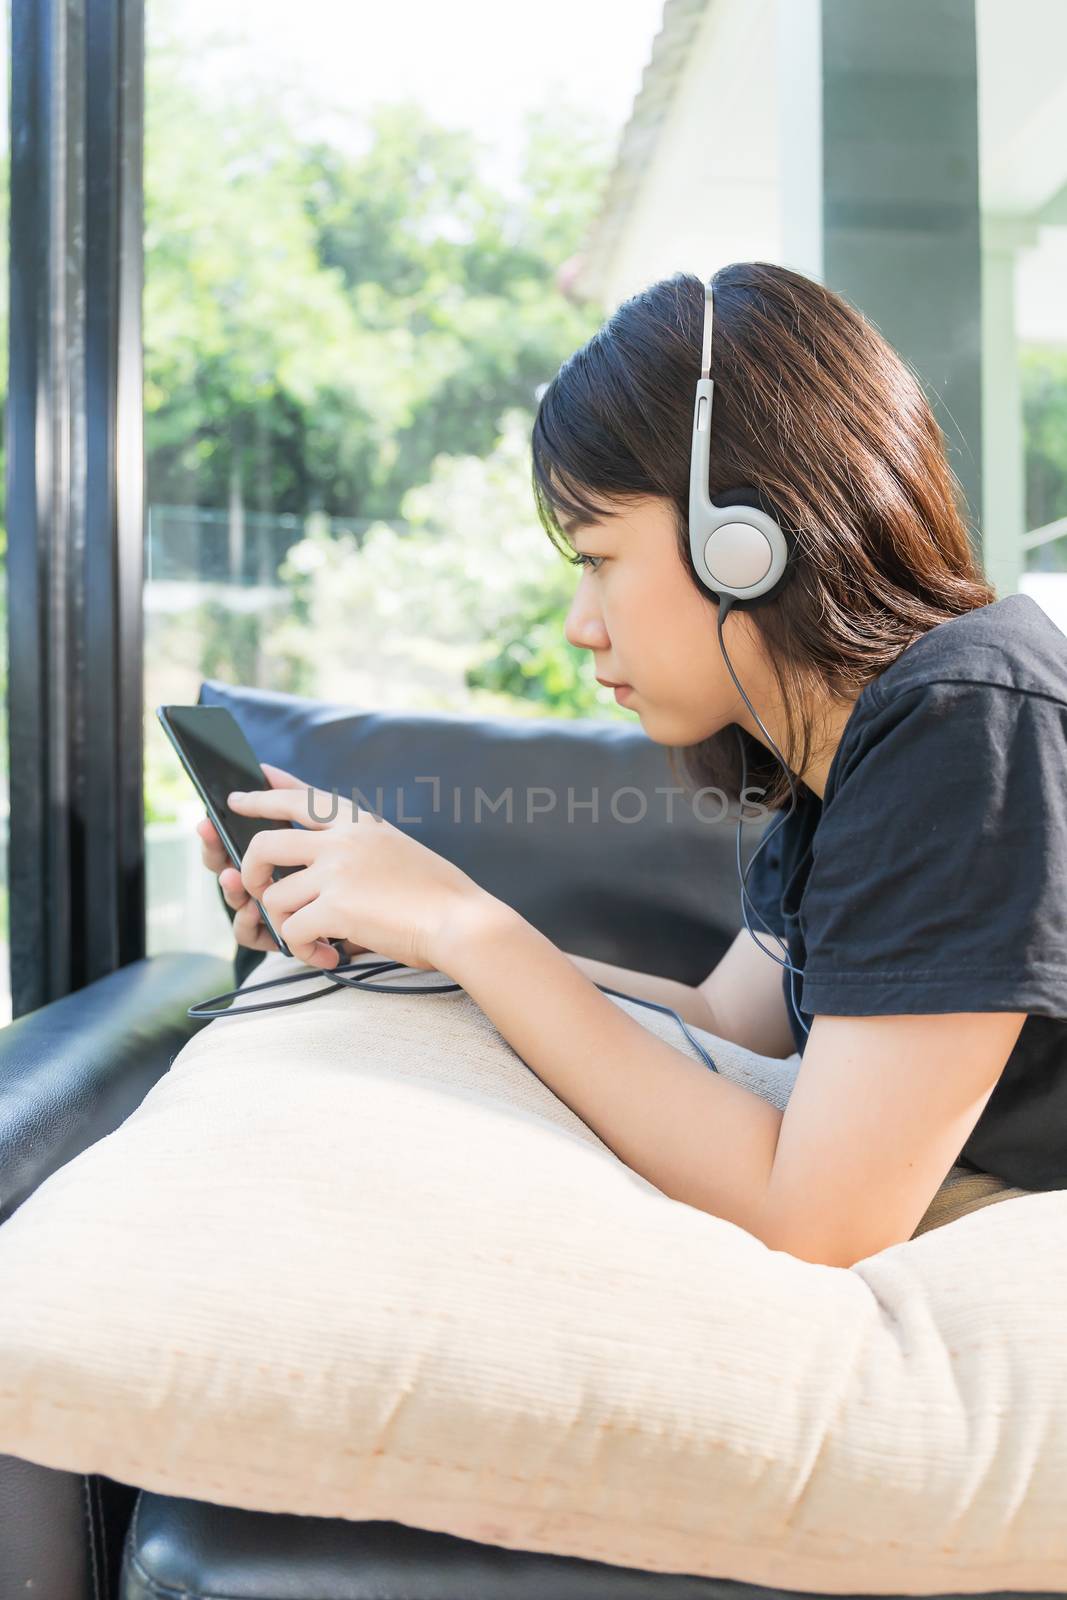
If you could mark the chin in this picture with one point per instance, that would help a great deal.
(662, 729)
(679, 730)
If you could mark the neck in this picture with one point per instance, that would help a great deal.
(829, 719)
(829, 715)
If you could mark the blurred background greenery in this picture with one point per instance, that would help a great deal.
(347, 350)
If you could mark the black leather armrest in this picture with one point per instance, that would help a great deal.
(73, 1070)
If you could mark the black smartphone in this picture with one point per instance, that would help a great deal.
(218, 758)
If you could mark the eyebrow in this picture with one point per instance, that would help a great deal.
(575, 525)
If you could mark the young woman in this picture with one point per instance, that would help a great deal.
(918, 872)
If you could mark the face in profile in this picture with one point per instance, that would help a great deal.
(647, 624)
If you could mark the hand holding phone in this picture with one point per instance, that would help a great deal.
(249, 928)
(217, 757)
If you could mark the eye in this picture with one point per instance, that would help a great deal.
(593, 562)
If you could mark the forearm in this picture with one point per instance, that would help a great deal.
(696, 1135)
(688, 1001)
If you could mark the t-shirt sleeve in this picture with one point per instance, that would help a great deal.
(939, 869)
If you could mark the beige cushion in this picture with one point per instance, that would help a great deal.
(354, 1259)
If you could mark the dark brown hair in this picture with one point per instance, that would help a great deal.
(816, 411)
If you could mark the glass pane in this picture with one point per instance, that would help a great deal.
(358, 271)
(5, 168)
(1022, 78)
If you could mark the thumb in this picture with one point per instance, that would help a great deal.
(280, 779)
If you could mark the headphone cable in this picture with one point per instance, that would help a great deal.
(726, 604)
(338, 975)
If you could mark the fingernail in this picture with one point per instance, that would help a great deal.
(234, 795)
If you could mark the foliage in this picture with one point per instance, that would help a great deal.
(1043, 375)
(320, 326)
(167, 789)
(463, 609)
(364, 335)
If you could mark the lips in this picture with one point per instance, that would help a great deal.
(609, 685)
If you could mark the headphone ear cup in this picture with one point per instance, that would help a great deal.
(736, 497)
(747, 496)
(734, 545)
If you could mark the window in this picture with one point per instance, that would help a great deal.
(353, 292)
(1022, 77)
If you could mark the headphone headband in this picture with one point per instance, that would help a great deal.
(737, 547)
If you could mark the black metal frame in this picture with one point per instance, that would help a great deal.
(75, 495)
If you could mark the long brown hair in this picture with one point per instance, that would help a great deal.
(815, 410)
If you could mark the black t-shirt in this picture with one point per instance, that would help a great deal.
(932, 874)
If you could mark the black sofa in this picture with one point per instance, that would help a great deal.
(658, 893)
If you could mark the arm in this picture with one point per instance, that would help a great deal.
(741, 998)
(690, 1002)
(879, 1112)
(744, 994)
(697, 1136)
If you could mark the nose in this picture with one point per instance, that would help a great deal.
(584, 627)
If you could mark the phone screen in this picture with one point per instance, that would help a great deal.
(218, 758)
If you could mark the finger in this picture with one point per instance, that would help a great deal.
(280, 779)
(312, 808)
(212, 851)
(214, 858)
(305, 932)
(250, 930)
(275, 847)
(289, 894)
(233, 890)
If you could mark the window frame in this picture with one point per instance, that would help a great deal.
(75, 495)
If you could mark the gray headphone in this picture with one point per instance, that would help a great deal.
(736, 544)
(741, 554)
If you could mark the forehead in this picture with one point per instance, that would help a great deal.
(577, 507)
(613, 518)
